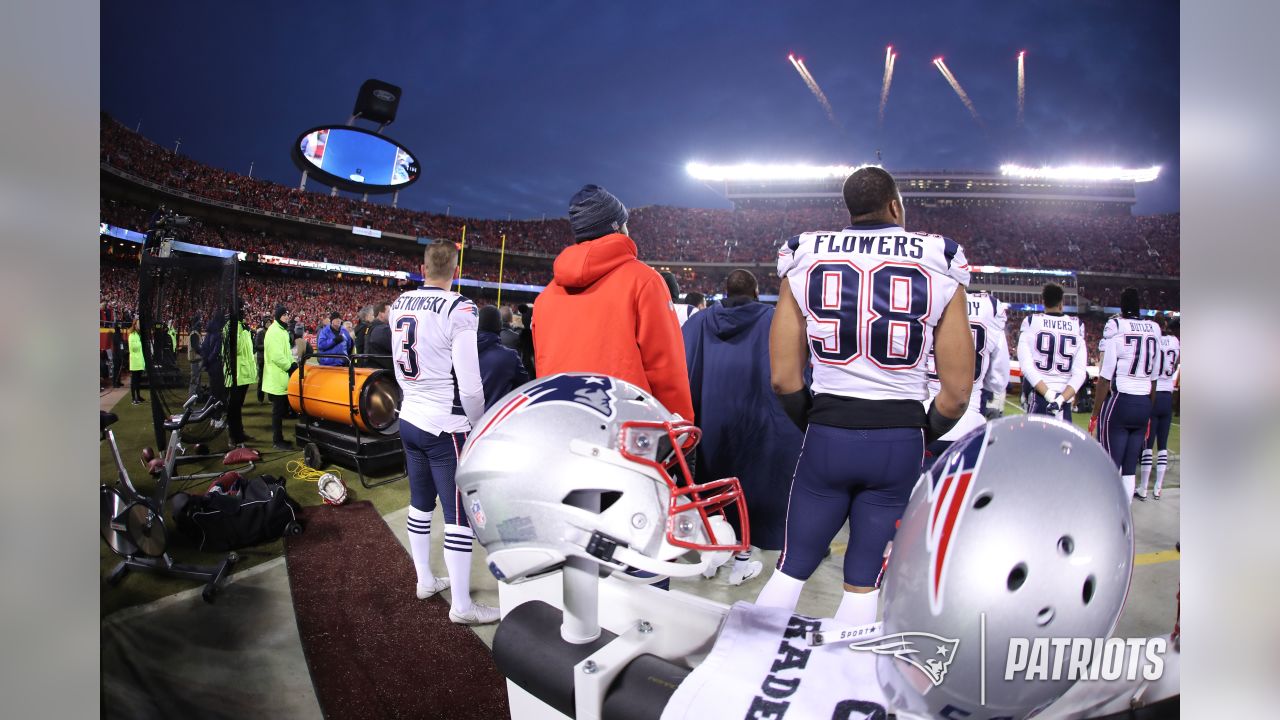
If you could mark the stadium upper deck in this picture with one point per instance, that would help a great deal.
(946, 187)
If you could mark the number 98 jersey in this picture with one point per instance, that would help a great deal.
(1131, 354)
(871, 296)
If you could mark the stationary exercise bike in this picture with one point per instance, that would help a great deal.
(133, 524)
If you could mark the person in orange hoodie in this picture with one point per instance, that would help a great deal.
(607, 312)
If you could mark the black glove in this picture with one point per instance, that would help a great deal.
(291, 369)
(939, 425)
(797, 405)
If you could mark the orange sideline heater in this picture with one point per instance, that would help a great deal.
(350, 416)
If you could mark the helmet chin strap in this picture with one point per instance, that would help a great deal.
(647, 564)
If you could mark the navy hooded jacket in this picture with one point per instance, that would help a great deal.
(500, 368)
(745, 433)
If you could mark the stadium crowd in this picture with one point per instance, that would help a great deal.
(1014, 236)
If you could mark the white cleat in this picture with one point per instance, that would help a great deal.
(477, 615)
(437, 584)
(751, 570)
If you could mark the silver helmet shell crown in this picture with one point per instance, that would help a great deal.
(1025, 521)
(587, 465)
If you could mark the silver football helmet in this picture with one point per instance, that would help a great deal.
(1022, 525)
(589, 466)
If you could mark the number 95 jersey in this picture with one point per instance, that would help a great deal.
(871, 296)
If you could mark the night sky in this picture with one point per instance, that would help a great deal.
(511, 106)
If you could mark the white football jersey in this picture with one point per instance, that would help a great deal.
(433, 349)
(871, 296)
(990, 347)
(1170, 363)
(1052, 349)
(683, 312)
(1130, 354)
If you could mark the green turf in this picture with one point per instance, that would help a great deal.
(134, 431)
(1081, 421)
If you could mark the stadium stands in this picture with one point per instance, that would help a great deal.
(1010, 235)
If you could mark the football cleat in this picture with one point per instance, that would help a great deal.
(477, 615)
(437, 584)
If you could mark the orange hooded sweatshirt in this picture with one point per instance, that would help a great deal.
(607, 312)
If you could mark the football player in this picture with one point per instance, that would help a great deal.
(433, 340)
(990, 367)
(862, 305)
(1130, 360)
(1162, 410)
(1053, 356)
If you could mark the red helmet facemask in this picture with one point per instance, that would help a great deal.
(662, 446)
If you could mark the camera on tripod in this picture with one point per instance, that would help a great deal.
(164, 230)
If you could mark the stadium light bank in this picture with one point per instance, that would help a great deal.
(1082, 172)
(755, 171)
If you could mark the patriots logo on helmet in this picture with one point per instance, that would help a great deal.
(594, 392)
(591, 392)
(950, 483)
(903, 646)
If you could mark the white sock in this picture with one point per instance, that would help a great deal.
(782, 591)
(420, 544)
(457, 558)
(858, 608)
(1129, 483)
(1144, 468)
(1162, 464)
(740, 561)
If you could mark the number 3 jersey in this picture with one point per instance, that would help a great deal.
(1131, 354)
(1170, 362)
(871, 296)
(1052, 349)
(990, 358)
(433, 348)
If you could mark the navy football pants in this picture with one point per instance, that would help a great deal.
(431, 461)
(862, 476)
(1122, 427)
(1161, 420)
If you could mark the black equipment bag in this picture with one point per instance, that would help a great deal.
(262, 512)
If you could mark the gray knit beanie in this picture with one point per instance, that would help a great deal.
(594, 212)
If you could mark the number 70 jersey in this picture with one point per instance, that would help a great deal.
(1131, 354)
(871, 296)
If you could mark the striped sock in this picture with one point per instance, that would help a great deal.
(457, 557)
(1144, 468)
(419, 524)
(1162, 464)
(740, 561)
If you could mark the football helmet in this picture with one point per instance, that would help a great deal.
(1024, 523)
(332, 489)
(586, 465)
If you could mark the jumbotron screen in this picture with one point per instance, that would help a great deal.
(355, 159)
